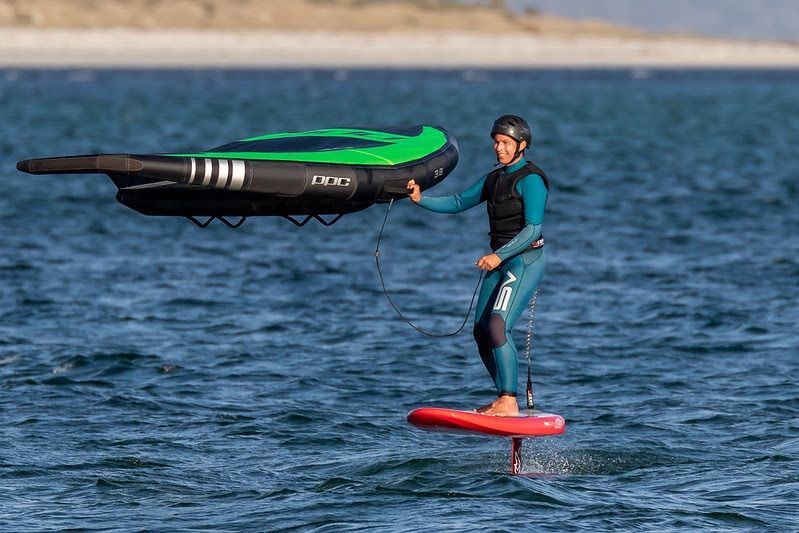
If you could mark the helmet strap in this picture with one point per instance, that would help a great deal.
(518, 152)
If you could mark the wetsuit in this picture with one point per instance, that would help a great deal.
(506, 289)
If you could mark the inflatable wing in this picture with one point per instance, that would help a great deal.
(302, 174)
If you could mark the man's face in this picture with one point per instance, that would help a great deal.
(505, 147)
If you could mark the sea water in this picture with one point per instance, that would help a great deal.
(160, 377)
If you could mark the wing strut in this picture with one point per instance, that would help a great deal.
(201, 224)
(225, 221)
(204, 224)
(230, 224)
(307, 219)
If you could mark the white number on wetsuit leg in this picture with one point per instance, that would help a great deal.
(503, 298)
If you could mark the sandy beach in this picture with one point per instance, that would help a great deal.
(67, 48)
(344, 33)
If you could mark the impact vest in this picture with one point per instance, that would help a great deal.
(505, 206)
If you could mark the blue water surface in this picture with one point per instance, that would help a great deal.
(160, 377)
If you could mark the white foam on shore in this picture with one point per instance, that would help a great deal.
(167, 48)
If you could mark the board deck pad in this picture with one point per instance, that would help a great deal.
(535, 424)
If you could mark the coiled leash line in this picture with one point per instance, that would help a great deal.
(528, 345)
(399, 313)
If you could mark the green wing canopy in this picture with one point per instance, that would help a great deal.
(339, 146)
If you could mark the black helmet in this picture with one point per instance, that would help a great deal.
(513, 126)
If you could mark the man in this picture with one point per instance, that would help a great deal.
(516, 195)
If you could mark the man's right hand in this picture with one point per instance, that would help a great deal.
(414, 192)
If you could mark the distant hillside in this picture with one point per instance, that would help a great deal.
(301, 15)
(737, 19)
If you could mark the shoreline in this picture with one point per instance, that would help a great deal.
(124, 48)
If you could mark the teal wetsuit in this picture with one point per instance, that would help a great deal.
(507, 289)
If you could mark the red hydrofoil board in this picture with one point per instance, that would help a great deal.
(532, 424)
(537, 424)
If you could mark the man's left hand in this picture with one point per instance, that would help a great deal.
(489, 262)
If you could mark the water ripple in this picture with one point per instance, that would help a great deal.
(158, 376)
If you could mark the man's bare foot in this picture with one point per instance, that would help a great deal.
(485, 408)
(503, 406)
